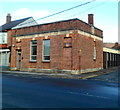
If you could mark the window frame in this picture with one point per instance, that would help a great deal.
(43, 59)
(33, 45)
(3, 37)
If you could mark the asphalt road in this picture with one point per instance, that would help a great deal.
(31, 91)
(113, 77)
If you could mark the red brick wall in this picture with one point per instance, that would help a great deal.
(86, 44)
(56, 52)
(3, 46)
(61, 57)
(25, 46)
(13, 53)
(98, 32)
(99, 47)
(62, 25)
(67, 53)
(9, 39)
(75, 63)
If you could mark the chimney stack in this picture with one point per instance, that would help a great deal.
(90, 19)
(8, 18)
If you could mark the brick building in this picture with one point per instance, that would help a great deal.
(72, 46)
(4, 31)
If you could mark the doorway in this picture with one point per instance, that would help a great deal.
(18, 59)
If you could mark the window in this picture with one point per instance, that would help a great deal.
(46, 50)
(3, 37)
(67, 45)
(94, 54)
(33, 54)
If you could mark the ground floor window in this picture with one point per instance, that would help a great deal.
(46, 50)
(4, 58)
(33, 55)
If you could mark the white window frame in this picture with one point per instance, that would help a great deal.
(43, 52)
(3, 37)
(31, 45)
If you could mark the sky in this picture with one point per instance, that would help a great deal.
(105, 13)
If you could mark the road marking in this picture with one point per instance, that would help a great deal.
(89, 76)
(87, 94)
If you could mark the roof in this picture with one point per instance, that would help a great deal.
(109, 45)
(112, 45)
(111, 50)
(12, 24)
(116, 46)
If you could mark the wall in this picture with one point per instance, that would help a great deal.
(60, 56)
(57, 26)
(64, 51)
(9, 38)
(72, 44)
(84, 50)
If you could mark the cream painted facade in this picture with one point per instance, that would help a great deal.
(111, 57)
(110, 50)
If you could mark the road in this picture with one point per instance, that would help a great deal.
(31, 91)
(109, 77)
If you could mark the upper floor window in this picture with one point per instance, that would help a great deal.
(33, 55)
(46, 50)
(3, 37)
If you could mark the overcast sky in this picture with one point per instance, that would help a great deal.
(105, 12)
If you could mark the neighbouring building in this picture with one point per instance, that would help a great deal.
(4, 56)
(111, 55)
(72, 46)
(8, 26)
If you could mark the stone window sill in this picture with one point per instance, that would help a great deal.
(31, 61)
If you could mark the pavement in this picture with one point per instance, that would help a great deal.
(109, 75)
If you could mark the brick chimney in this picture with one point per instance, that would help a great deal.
(8, 18)
(90, 19)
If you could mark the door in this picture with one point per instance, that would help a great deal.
(18, 60)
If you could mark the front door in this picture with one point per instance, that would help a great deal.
(18, 60)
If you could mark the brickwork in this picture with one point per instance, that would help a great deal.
(70, 51)
(9, 38)
(13, 53)
(3, 46)
(57, 26)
